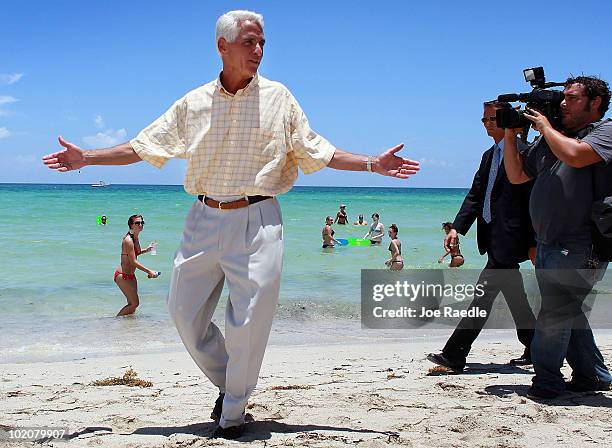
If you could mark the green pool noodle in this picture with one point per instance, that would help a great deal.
(359, 242)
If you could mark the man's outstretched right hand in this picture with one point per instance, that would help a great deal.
(69, 159)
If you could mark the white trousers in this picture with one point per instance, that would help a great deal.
(244, 247)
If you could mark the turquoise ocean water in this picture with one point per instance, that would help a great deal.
(58, 300)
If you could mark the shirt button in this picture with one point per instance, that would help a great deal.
(234, 121)
(232, 143)
(228, 163)
(225, 184)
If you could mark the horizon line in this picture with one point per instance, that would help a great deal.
(181, 185)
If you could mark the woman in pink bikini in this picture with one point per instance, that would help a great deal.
(125, 275)
(457, 259)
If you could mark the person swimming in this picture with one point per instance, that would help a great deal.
(360, 221)
(376, 232)
(396, 262)
(453, 250)
(125, 274)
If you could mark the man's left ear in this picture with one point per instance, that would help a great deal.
(595, 103)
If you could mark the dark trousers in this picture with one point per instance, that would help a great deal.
(563, 330)
(496, 277)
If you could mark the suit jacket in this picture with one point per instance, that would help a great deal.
(510, 234)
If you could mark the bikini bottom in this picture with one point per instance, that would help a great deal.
(125, 276)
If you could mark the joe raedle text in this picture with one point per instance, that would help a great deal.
(405, 312)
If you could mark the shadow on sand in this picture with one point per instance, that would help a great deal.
(256, 430)
(591, 399)
(475, 368)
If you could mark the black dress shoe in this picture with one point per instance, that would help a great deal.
(231, 432)
(441, 360)
(218, 409)
(537, 393)
(587, 385)
(522, 361)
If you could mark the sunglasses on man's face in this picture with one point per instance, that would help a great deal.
(490, 119)
(139, 223)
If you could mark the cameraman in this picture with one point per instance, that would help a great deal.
(560, 207)
(504, 232)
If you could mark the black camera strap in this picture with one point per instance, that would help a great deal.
(600, 177)
(601, 211)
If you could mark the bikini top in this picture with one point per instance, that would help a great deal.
(129, 254)
(376, 229)
(135, 251)
(399, 247)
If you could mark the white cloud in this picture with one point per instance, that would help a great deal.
(10, 78)
(109, 137)
(8, 99)
(4, 132)
(99, 121)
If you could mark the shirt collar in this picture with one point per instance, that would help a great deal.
(500, 145)
(250, 86)
(587, 129)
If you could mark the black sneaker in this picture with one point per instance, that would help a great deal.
(579, 384)
(218, 409)
(441, 360)
(537, 393)
(230, 433)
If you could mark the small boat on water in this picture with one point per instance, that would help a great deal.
(100, 184)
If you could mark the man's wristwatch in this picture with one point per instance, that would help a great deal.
(369, 163)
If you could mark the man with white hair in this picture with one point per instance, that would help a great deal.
(244, 138)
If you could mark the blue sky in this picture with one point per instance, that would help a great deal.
(369, 74)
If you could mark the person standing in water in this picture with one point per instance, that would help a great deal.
(125, 275)
(453, 249)
(396, 262)
(341, 216)
(328, 234)
(377, 230)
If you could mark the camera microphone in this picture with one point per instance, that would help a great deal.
(508, 98)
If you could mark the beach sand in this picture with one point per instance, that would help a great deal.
(367, 395)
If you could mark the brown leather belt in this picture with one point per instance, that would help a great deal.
(231, 205)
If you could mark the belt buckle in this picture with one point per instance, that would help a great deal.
(223, 202)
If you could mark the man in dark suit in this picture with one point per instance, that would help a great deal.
(506, 235)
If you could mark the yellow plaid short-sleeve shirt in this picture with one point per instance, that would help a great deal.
(250, 143)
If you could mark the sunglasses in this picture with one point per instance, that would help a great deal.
(491, 119)
(139, 223)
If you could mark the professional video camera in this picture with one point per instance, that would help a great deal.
(547, 102)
